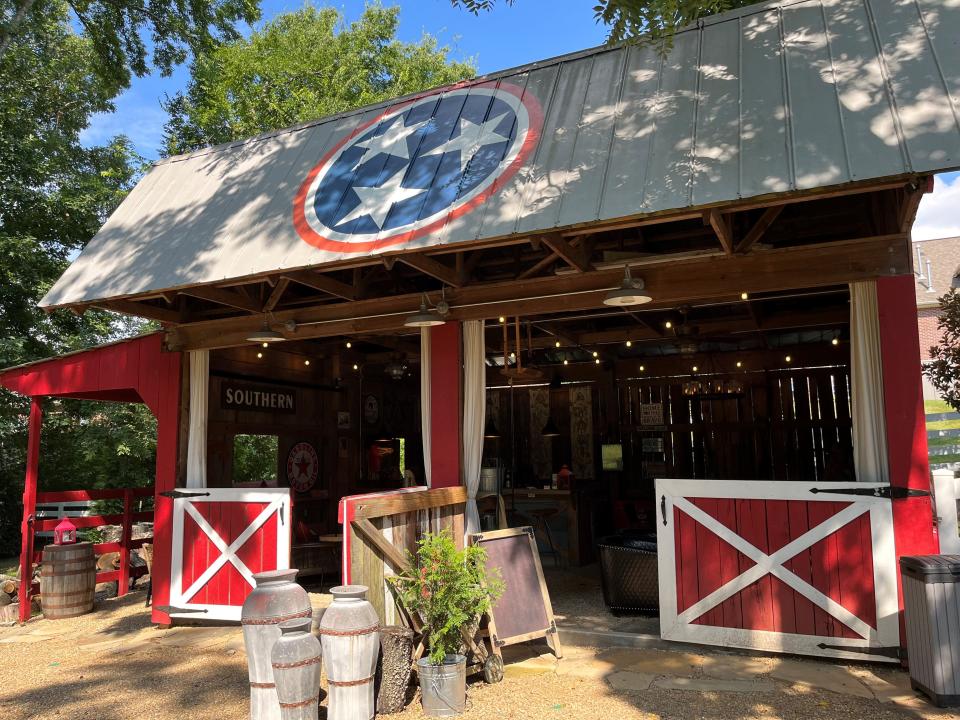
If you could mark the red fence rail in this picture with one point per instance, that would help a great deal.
(125, 520)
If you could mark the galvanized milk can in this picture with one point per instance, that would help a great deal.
(295, 659)
(275, 599)
(349, 633)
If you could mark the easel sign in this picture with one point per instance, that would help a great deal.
(524, 611)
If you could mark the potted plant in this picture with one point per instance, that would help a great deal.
(449, 589)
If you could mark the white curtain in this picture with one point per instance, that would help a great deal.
(474, 412)
(866, 385)
(197, 439)
(425, 402)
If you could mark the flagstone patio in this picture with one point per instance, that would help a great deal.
(114, 664)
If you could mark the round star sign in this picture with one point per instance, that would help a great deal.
(408, 171)
(303, 466)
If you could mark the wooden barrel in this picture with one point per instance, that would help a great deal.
(68, 578)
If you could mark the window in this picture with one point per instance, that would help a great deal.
(255, 460)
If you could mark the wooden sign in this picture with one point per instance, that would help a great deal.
(524, 611)
(651, 413)
(257, 398)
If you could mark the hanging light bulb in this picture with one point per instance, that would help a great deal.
(739, 364)
(349, 344)
(629, 292)
(356, 367)
(668, 324)
(835, 342)
(695, 368)
(788, 358)
(744, 296)
(306, 362)
(557, 344)
(266, 345)
(566, 362)
(596, 354)
(259, 355)
(501, 319)
(629, 343)
(597, 361)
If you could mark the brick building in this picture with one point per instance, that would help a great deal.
(936, 270)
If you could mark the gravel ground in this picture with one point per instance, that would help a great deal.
(113, 664)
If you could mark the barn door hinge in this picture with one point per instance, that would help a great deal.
(177, 494)
(170, 609)
(888, 651)
(893, 493)
(552, 630)
(663, 509)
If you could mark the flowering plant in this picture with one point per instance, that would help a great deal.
(448, 588)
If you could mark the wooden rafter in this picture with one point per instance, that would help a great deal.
(759, 228)
(909, 206)
(233, 298)
(129, 307)
(573, 256)
(721, 226)
(428, 266)
(323, 283)
(278, 290)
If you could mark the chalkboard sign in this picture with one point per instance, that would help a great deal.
(524, 611)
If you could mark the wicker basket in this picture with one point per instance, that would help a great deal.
(628, 572)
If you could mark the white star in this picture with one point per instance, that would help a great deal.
(377, 201)
(471, 138)
(393, 141)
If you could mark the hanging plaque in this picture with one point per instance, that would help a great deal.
(651, 413)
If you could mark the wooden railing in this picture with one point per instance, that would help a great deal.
(124, 519)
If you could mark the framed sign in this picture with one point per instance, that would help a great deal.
(651, 413)
(371, 409)
(343, 420)
(303, 467)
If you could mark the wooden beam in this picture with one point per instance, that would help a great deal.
(278, 290)
(152, 312)
(574, 257)
(670, 284)
(759, 228)
(232, 298)
(323, 283)
(721, 226)
(909, 206)
(428, 266)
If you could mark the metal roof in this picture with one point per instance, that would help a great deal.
(773, 98)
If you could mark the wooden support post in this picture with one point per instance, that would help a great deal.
(914, 531)
(29, 506)
(123, 583)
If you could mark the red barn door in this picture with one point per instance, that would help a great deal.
(792, 567)
(221, 537)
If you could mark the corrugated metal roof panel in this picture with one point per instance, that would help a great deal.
(771, 98)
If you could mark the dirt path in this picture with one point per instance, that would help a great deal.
(114, 664)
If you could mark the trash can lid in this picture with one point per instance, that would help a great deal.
(932, 568)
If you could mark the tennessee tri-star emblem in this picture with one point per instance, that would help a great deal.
(418, 165)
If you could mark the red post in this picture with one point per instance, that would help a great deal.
(914, 531)
(29, 507)
(123, 583)
(445, 400)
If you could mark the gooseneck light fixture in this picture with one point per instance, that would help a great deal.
(630, 292)
(265, 335)
(424, 317)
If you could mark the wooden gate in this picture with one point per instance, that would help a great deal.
(794, 567)
(221, 537)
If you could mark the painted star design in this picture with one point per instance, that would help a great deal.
(377, 201)
(472, 137)
(393, 141)
(302, 466)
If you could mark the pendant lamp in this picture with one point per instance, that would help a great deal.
(630, 292)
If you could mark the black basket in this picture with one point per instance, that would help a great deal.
(628, 573)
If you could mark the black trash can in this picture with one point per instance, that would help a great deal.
(931, 606)
(628, 573)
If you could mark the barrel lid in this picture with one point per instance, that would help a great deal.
(66, 548)
(932, 568)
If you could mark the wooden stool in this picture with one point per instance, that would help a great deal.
(541, 526)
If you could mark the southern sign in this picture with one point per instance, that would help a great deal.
(258, 398)
(408, 171)
(303, 466)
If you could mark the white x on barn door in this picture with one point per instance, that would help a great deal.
(221, 537)
(778, 566)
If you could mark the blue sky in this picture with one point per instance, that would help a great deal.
(505, 37)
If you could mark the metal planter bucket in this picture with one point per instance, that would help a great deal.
(443, 688)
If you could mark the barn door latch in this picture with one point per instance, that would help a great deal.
(888, 491)
(663, 509)
(177, 494)
(887, 651)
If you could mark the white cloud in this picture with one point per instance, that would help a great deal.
(939, 213)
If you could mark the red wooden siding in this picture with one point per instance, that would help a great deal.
(445, 423)
(840, 566)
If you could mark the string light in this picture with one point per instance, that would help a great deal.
(266, 345)
(306, 362)
(566, 362)
(356, 367)
(597, 361)
(739, 364)
(695, 368)
(349, 344)
(835, 342)
(259, 355)
(502, 319)
(744, 296)
(596, 354)
(629, 343)
(668, 324)
(557, 344)
(788, 358)
(642, 368)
